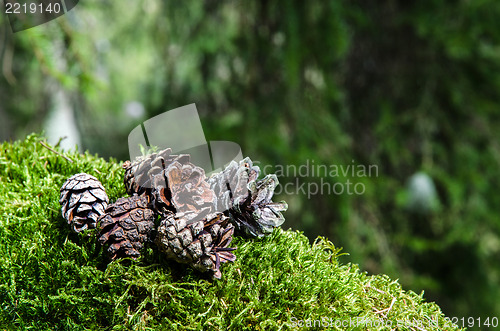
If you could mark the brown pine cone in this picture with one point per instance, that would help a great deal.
(83, 200)
(202, 244)
(126, 226)
(139, 174)
(189, 190)
(172, 182)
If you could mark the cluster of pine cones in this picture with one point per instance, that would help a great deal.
(172, 203)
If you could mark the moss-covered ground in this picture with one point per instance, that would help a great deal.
(51, 278)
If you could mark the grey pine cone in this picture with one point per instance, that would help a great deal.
(248, 201)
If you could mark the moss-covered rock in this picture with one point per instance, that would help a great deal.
(52, 278)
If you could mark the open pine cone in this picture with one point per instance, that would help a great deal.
(258, 215)
(189, 190)
(230, 185)
(248, 202)
(140, 173)
(172, 182)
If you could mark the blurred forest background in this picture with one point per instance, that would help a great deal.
(411, 87)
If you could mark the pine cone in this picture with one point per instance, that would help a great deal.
(127, 224)
(202, 244)
(140, 173)
(83, 200)
(258, 215)
(172, 182)
(230, 185)
(248, 201)
(189, 190)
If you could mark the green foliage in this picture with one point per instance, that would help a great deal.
(407, 86)
(51, 278)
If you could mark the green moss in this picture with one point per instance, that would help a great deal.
(51, 278)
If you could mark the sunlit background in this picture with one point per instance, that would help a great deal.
(410, 89)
